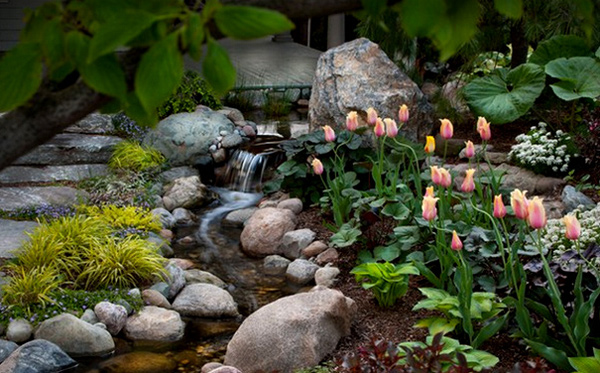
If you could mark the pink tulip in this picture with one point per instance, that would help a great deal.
(429, 192)
(317, 166)
(329, 134)
(403, 114)
(456, 244)
(446, 181)
(483, 127)
(391, 128)
(468, 184)
(519, 203)
(436, 176)
(469, 149)
(572, 227)
(428, 207)
(446, 129)
(371, 116)
(536, 214)
(379, 128)
(352, 121)
(430, 145)
(499, 208)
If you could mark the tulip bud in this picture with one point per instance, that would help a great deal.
(429, 192)
(499, 208)
(391, 128)
(446, 129)
(428, 207)
(446, 178)
(573, 228)
(430, 145)
(403, 114)
(317, 166)
(469, 149)
(329, 134)
(519, 203)
(536, 214)
(379, 128)
(371, 116)
(468, 184)
(456, 244)
(436, 176)
(352, 121)
(483, 127)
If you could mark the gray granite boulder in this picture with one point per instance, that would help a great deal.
(13, 235)
(38, 356)
(176, 279)
(90, 317)
(154, 298)
(184, 138)
(358, 75)
(155, 324)
(167, 220)
(572, 198)
(183, 216)
(19, 331)
(76, 337)
(264, 230)
(175, 173)
(275, 265)
(301, 271)
(293, 242)
(314, 249)
(6, 348)
(205, 300)
(239, 217)
(188, 192)
(195, 276)
(292, 204)
(326, 276)
(114, 316)
(293, 332)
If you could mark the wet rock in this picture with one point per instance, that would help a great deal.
(232, 114)
(328, 256)
(167, 234)
(291, 333)
(186, 192)
(167, 220)
(249, 131)
(89, 316)
(209, 367)
(138, 362)
(162, 244)
(176, 279)
(292, 204)
(37, 356)
(572, 198)
(196, 276)
(239, 217)
(6, 348)
(75, 337)
(358, 75)
(232, 141)
(218, 155)
(264, 230)
(301, 271)
(293, 242)
(161, 287)
(205, 300)
(314, 249)
(184, 264)
(183, 216)
(275, 265)
(326, 276)
(13, 234)
(177, 173)
(155, 324)
(112, 315)
(154, 298)
(19, 331)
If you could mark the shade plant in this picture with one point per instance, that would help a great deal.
(387, 281)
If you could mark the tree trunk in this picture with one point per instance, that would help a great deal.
(519, 43)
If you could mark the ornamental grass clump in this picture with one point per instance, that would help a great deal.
(123, 218)
(130, 155)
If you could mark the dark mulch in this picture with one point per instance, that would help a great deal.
(393, 324)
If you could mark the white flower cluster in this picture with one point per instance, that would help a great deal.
(541, 151)
(554, 237)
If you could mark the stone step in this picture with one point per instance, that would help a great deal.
(48, 174)
(71, 148)
(13, 198)
(13, 234)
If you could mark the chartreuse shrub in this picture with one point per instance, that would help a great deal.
(84, 251)
(130, 155)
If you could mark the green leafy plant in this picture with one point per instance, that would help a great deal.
(276, 104)
(133, 156)
(192, 91)
(387, 281)
(121, 189)
(589, 364)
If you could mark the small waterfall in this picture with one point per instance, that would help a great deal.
(245, 171)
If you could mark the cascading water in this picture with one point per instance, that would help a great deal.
(245, 171)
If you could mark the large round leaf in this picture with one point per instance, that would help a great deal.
(505, 95)
(578, 77)
(559, 46)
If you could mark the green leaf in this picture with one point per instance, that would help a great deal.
(485, 359)
(20, 75)
(105, 75)
(489, 331)
(117, 31)
(218, 69)
(137, 112)
(159, 73)
(579, 77)
(553, 355)
(505, 96)
(346, 236)
(397, 210)
(597, 54)
(387, 253)
(437, 324)
(195, 35)
(585, 364)
(559, 46)
(246, 22)
(510, 8)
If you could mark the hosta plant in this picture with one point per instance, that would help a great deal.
(387, 281)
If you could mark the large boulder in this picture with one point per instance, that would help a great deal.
(291, 333)
(76, 337)
(37, 356)
(155, 324)
(205, 300)
(358, 75)
(188, 192)
(185, 138)
(112, 315)
(264, 231)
